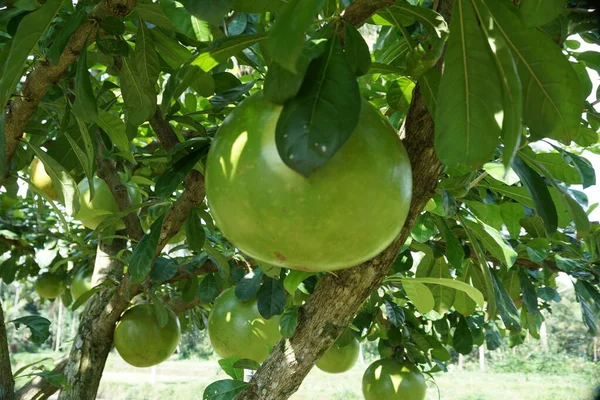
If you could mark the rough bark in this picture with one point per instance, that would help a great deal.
(95, 334)
(7, 383)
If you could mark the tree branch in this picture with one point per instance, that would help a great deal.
(361, 10)
(7, 383)
(39, 388)
(46, 74)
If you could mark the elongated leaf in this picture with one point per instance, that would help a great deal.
(394, 312)
(62, 181)
(462, 341)
(512, 98)
(146, 57)
(162, 318)
(286, 38)
(224, 48)
(86, 157)
(419, 295)
(163, 269)
(288, 322)
(356, 51)
(186, 23)
(115, 128)
(586, 311)
(212, 11)
(271, 298)
(553, 97)
(454, 284)
(454, 251)
(85, 107)
(540, 12)
(530, 298)
(248, 286)
(506, 307)
(225, 389)
(294, 279)
(38, 326)
(539, 193)
(194, 232)
(227, 364)
(139, 98)
(442, 294)
(559, 168)
(64, 34)
(208, 289)
(582, 165)
(143, 254)
(470, 94)
(153, 13)
(31, 29)
(430, 85)
(168, 181)
(463, 303)
(511, 215)
(171, 51)
(218, 259)
(493, 242)
(318, 121)
(257, 6)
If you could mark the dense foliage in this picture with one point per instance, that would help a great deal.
(131, 94)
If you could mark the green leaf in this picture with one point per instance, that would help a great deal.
(86, 158)
(146, 57)
(153, 13)
(63, 182)
(356, 51)
(454, 284)
(138, 97)
(511, 215)
(186, 23)
(167, 182)
(227, 364)
(143, 254)
(248, 286)
(171, 51)
(163, 269)
(208, 289)
(212, 11)
(430, 85)
(112, 25)
(559, 168)
(194, 232)
(294, 279)
(399, 94)
(586, 311)
(463, 303)
(470, 95)
(286, 38)
(538, 191)
(462, 340)
(84, 106)
(222, 49)
(512, 98)
(506, 307)
(159, 309)
(271, 298)
(81, 300)
(225, 389)
(442, 293)
(31, 29)
(38, 326)
(64, 34)
(540, 12)
(245, 363)
(538, 249)
(553, 98)
(502, 173)
(218, 259)
(493, 339)
(288, 322)
(419, 295)
(115, 128)
(454, 251)
(257, 6)
(318, 121)
(582, 165)
(530, 298)
(493, 242)
(394, 312)
(393, 15)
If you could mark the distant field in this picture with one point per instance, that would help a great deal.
(186, 380)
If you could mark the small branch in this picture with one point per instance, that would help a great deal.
(7, 383)
(18, 244)
(361, 10)
(39, 388)
(477, 180)
(208, 268)
(179, 305)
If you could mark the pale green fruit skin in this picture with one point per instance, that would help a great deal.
(41, 179)
(346, 212)
(390, 380)
(339, 359)
(81, 283)
(92, 213)
(49, 286)
(237, 328)
(141, 341)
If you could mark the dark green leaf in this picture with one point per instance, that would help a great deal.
(227, 364)
(493, 339)
(208, 288)
(430, 84)
(462, 340)
(492, 241)
(168, 181)
(469, 97)
(231, 95)
(186, 23)
(506, 306)
(586, 311)
(85, 297)
(212, 11)
(146, 57)
(394, 312)
(248, 286)
(163, 269)
(318, 121)
(356, 51)
(143, 254)
(294, 279)
(538, 191)
(31, 29)
(85, 102)
(257, 6)
(559, 168)
(511, 215)
(540, 12)
(454, 251)
(224, 48)
(153, 13)
(529, 292)
(194, 232)
(225, 389)
(583, 166)
(138, 96)
(115, 128)
(286, 38)
(399, 94)
(271, 298)
(245, 363)
(162, 318)
(38, 326)
(288, 322)
(112, 25)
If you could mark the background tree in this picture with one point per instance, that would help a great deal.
(129, 94)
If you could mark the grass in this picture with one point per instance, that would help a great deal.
(186, 380)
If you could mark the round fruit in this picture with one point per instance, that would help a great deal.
(346, 212)
(41, 179)
(338, 359)
(384, 349)
(81, 283)
(141, 341)
(390, 380)
(237, 328)
(48, 286)
(92, 213)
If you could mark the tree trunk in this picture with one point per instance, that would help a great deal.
(332, 306)
(461, 361)
(595, 349)
(95, 333)
(7, 383)
(57, 338)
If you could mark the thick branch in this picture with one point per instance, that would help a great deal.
(182, 273)
(7, 383)
(39, 388)
(46, 74)
(361, 10)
